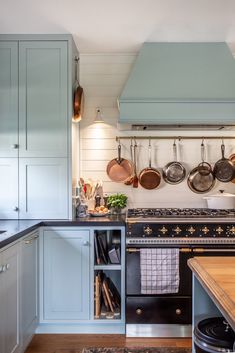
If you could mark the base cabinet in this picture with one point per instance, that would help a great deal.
(66, 274)
(9, 294)
(70, 295)
(28, 288)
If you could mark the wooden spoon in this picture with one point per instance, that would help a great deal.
(129, 181)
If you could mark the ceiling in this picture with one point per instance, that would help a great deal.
(122, 26)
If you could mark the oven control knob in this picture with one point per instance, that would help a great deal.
(191, 230)
(178, 312)
(205, 230)
(219, 230)
(163, 230)
(178, 230)
(138, 311)
(148, 230)
(232, 230)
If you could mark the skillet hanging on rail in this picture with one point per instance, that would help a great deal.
(78, 98)
(174, 172)
(201, 179)
(224, 169)
(120, 169)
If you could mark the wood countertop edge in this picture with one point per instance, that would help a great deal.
(217, 294)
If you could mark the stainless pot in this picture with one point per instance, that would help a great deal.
(222, 200)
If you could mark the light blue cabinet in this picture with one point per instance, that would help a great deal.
(8, 188)
(43, 188)
(8, 99)
(43, 96)
(9, 294)
(36, 80)
(66, 274)
(28, 288)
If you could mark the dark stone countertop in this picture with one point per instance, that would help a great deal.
(15, 229)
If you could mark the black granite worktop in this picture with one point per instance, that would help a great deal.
(15, 229)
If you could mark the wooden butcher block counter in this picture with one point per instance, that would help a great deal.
(217, 276)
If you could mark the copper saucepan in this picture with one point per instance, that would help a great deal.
(78, 98)
(119, 169)
(149, 178)
(232, 158)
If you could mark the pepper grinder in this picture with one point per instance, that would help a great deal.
(97, 200)
(105, 198)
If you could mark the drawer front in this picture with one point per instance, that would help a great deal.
(158, 310)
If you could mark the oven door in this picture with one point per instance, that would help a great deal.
(133, 280)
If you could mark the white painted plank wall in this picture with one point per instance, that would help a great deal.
(103, 77)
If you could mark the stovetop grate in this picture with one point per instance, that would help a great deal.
(179, 212)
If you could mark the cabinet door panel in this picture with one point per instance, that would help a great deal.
(66, 275)
(10, 299)
(43, 99)
(43, 188)
(8, 188)
(8, 99)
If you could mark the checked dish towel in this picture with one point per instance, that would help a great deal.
(159, 271)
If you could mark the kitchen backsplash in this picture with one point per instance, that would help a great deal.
(103, 77)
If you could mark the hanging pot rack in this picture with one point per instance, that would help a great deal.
(179, 138)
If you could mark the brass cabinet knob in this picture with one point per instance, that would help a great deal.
(148, 230)
(138, 311)
(163, 230)
(219, 230)
(178, 312)
(205, 230)
(191, 230)
(177, 230)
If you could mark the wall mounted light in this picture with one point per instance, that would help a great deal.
(99, 116)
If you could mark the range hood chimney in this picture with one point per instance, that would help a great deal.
(180, 85)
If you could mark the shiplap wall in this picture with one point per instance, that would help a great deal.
(103, 77)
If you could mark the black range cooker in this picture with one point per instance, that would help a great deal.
(195, 232)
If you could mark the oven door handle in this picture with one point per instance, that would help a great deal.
(133, 250)
(201, 250)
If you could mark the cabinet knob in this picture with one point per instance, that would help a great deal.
(15, 208)
(86, 243)
(7, 266)
(178, 312)
(15, 146)
(138, 311)
(3, 268)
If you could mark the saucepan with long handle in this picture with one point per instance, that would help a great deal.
(150, 178)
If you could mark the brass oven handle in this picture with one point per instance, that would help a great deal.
(132, 250)
(201, 250)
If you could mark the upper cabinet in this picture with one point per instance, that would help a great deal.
(43, 99)
(8, 99)
(36, 95)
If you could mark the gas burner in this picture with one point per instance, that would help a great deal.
(179, 212)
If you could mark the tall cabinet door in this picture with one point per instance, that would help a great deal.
(8, 188)
(29, 287)
(43, 188)
(43, 99)
(9, 290)
(8, 99)
(66, 274)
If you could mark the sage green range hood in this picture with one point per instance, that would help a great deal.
(180, 85)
